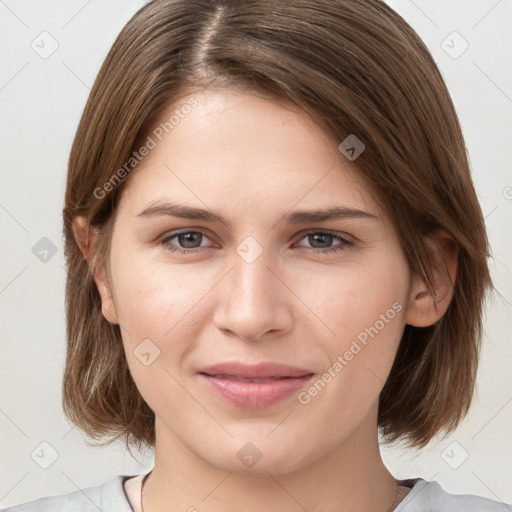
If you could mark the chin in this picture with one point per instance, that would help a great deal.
(259, 459)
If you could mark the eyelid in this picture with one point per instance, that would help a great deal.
(340, 234)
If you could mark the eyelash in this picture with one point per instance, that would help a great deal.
(345, 243)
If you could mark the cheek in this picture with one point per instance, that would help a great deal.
(364, 312)
(157, 307)
(349, 300)
(152, 297)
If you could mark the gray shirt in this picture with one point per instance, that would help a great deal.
(110, 496)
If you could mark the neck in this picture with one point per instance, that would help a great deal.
(350, 478)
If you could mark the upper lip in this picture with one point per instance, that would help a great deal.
(255, 371)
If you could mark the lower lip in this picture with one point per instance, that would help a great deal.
(254, 395)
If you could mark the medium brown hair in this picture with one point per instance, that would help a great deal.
(356, 67)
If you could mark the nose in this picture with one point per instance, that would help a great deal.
(253, 303)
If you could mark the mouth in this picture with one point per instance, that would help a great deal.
(244, 379)
(254, 386)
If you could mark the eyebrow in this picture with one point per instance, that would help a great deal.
(294, 217)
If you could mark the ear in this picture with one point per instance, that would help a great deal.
(423, 308)
(85, 238)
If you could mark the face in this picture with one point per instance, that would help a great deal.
(262, 287)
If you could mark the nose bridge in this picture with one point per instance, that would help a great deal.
(251, 303)
(252, 279)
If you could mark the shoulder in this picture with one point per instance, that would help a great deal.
(107, 497)
(428, 496)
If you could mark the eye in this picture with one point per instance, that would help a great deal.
(324, 238)
(187, 239)
(191, 241)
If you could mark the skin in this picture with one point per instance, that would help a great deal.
(253, 161)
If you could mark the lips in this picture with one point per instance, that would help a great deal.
(254, 385)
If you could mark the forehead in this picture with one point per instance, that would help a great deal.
(235, 149)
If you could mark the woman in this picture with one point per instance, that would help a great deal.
(275, 252)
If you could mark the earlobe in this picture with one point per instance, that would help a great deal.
(85, 241)
(108, 308)
(426, 308)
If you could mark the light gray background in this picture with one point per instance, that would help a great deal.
(41, 102)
